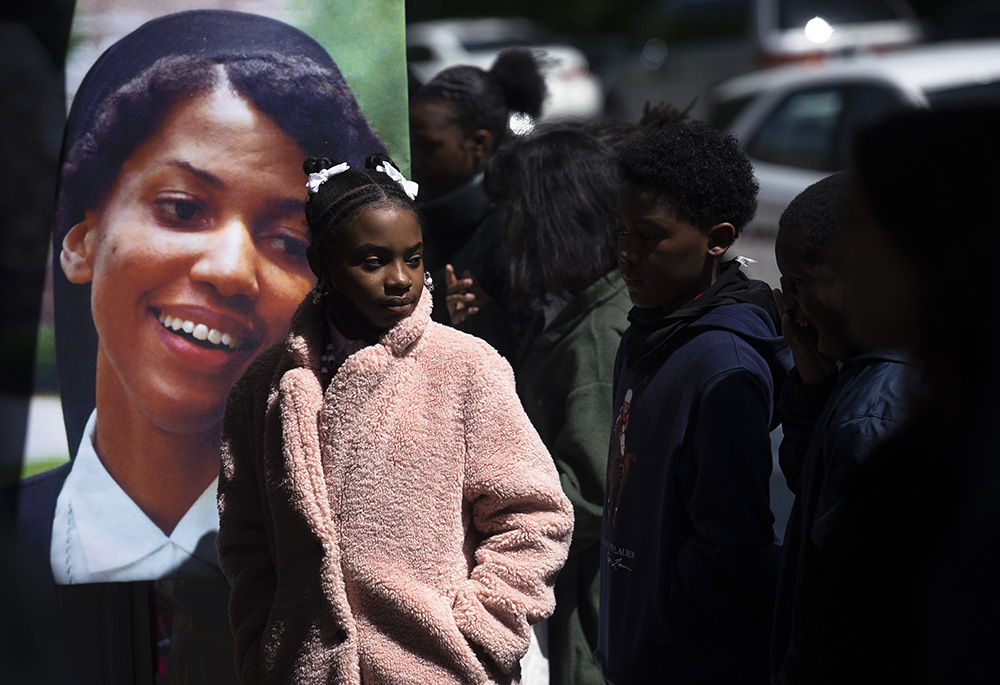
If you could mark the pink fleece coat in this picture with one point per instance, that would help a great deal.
(407, 527)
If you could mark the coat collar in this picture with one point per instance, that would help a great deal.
(304, 343)
(590, 298)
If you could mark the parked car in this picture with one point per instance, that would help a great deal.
(574, 91)
(796, 123)
(681, 48)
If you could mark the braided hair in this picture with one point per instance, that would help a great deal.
(484, 99)
(341, 197)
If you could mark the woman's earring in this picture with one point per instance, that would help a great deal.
(428, 281)
(318, 292)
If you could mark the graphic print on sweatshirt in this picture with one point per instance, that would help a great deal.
(620, 463)
(621, 460)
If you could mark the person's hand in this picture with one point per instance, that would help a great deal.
(465, 295)
(813, 366)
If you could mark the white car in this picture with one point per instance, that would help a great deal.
(681, 48)
(797, 123)
(573, 91)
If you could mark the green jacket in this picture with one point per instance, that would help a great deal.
(564, 377)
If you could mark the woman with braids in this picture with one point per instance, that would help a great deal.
(387, 512)
(179, 246)
(457, 120)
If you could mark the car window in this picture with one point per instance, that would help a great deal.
(866, 105)
(802, 130)
(723, 113)
(416, 54)
(976, 93)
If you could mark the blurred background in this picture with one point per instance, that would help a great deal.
(792, 79)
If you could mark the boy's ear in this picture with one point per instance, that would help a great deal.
(720, 237)
(77, 255)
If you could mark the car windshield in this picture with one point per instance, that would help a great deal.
(796, 13)
(975, 93)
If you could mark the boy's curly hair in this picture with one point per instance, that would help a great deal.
(812, 220)
(700, 173)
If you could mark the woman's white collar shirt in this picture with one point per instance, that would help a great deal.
(100, 535)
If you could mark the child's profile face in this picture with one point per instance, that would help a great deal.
(814, 295)
(377, 262)
(665, 261)
(443, 156)
(196, 258)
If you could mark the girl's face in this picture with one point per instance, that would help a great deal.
(443, 156)
(376, 261)
(196, 257)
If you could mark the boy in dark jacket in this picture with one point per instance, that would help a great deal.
(690, 560)
(831, 418)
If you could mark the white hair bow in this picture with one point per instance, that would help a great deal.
(409, 187)
(317, 179)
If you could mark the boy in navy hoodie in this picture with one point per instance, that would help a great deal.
(690, 556)
(832, 417)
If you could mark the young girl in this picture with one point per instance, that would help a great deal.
(387, 512)
(457, 121)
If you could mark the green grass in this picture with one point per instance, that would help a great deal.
(42, 465)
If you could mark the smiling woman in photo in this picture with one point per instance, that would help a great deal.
(179, 243)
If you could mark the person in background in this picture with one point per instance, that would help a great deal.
(908, 588)
(689, 552)
(840, 402)
(388, 514)
(457, 121)
(559, 186)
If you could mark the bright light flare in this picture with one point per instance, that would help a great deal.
(818, 30)
(520, 123)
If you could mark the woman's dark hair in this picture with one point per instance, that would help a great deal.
(700, 173)
(285, 73)
(560, 186)
(485, 99)
(342, 196)
(301, 96)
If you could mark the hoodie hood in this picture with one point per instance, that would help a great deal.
(734, 303)
(653, 329)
